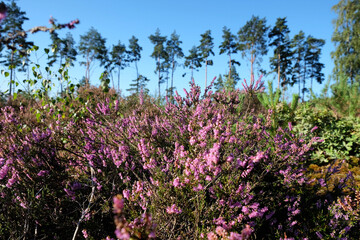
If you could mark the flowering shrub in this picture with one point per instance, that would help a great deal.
(192, 169)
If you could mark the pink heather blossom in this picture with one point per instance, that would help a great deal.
(152, 235)
(3, 171)
(290, 126)
(221, 231)
(199, 187)
(314, 128)
(173, 209)
(212, 236)
(126, 193)
(42, 173)
(246, 232)
(253, 214)
(176, 182)
(118, 204)
(122, 234)
(245, 209)
(235, 236)
(192, 140)
(85, 234)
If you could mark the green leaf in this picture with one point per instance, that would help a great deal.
(46, 50)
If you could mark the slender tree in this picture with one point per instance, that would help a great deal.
(219, 83)
(347, 41)
(280, 62)
(159, 54)
(299, 66)
(229, 46)
(134, 53)
(92, 47)
(193, 60)
(11, 25)
(206, 50)
(232, 80)
(253, 41)
(119, 60)
(174, 51)
(312, 59)
(139, 85)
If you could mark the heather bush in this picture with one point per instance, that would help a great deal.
(192, 169)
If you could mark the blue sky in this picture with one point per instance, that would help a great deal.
(119, 20)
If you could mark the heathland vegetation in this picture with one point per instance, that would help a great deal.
(224, 163)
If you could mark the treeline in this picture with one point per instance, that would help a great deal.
(296, 60)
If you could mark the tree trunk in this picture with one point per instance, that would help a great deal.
(118, 85)
(159, 75)
(229, 67)
(192, 71)
(172, 78)
(252, 77)
(278, 71)
(11, 70)
(137, 71)
(205, 72)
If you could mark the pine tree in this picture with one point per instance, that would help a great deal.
(92, 47)
(232, 80)
(205, 50)
(347, 42)
(134, 53)
(174, 51)
(12, 24)
(119, 60)
(159, 54)
(312, 59)
(219, 84)
(229, 46)
(299, 67)
(253, 42)
(193, 60)
(138, 85)
(280, 62)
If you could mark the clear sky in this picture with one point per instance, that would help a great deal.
(120, 19)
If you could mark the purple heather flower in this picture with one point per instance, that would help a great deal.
(173, 209)
(85, 234)
(319, 235)
(176, 182)
(235, 236)
(314, 128)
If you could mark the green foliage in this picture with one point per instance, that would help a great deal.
(341, 135)
(283, 113)
(347, 53)
(271, 99)
(346, 97)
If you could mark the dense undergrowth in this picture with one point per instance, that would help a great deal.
(227, 165)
